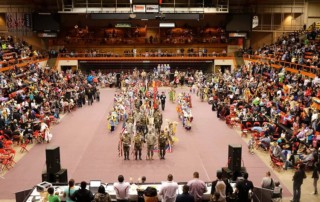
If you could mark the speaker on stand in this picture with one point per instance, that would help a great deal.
(234, 157)
(54, 173)
(62, 176)
(53, 159)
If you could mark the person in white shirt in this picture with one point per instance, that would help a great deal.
(168, 190)
(122, 189)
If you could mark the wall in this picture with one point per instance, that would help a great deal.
(313, 12)
(219, 62)
(66, 63)
(3, 27)
(43, 63)
(258, 39)
(35, 41)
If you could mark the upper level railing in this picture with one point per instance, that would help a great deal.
(307, 70)
(7, 65)
(174, 6)
(141, 55)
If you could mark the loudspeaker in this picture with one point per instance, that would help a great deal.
(53, 160)
(62, 176)
(234, 157)
(44, 177)
(48, 177)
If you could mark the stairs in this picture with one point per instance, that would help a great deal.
(52, 62)
(238, 58)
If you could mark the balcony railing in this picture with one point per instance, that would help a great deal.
(304, 69)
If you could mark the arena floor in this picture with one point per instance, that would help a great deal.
(90, 152)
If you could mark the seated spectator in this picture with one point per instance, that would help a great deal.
(102, 195)
(185, 196)
(265, 143)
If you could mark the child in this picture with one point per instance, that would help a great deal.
(251, 145)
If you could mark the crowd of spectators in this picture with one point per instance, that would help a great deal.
(300, 47)
(282, 107)
(12, 50)
(32, 98)
(194, 190)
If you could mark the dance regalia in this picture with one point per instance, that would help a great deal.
(172, 95)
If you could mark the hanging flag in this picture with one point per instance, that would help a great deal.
(255, 21)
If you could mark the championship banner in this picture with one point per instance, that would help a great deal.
(16, 22)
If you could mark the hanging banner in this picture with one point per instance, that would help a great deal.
(255, 21)
(139, 8)
(18, 22)
(152, 8)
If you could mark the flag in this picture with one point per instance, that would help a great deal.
(120, 146)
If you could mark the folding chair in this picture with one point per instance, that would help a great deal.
(23, 146)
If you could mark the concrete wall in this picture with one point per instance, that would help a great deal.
(229, 62)
(66, 63)
(258, 39)
(313, 14)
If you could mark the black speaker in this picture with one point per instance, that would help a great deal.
(234, 157)
(44, 177)
(62, 176)
(48, 177)
(53, 160)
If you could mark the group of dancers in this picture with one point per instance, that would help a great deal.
(138, 106)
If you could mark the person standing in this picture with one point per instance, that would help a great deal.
(243, 188)
(185, 196)
(163, 100)
(69, 191)
(82, 194)
(126, 142)
(315, 176)
(168, 190)
(267, 181)
(157, 120)
(197, 187)
(137, 142)
(122, 189)
(219, 188)
(151, 141)
(162, 141)
(297, 179)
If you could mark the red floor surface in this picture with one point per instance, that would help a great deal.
(88, 151)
